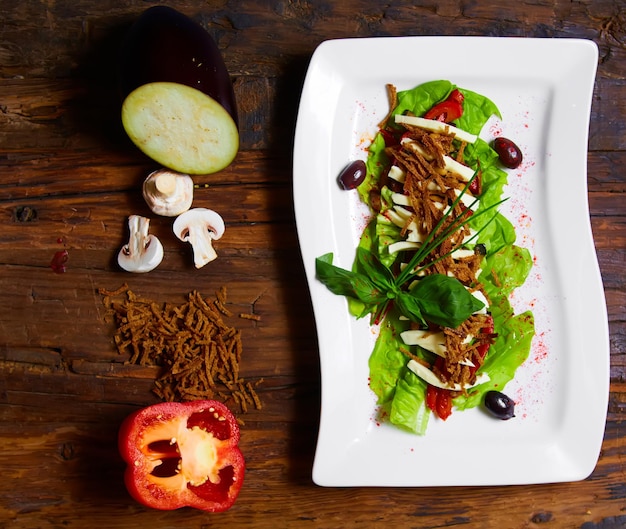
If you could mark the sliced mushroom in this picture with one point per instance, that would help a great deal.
(168, 193)
(144, 252)
(200, 227)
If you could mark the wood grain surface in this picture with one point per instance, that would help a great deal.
(68, 180)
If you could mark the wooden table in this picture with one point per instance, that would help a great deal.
(70, 178)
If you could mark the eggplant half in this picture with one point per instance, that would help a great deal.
(178, 101)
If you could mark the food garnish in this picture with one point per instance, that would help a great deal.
(509, 153)
(500, 405)
(183, 455)
(437, 262)
(352, 175)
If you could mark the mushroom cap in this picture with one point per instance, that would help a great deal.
(209, 219)
(200, 227)
(167, 192)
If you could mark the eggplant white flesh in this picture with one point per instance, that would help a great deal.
(180, 127)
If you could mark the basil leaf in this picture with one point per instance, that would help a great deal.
(410, 307)
(444, 300)
(376, 271)
(346, 283)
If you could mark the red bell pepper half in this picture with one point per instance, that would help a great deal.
(183, 455)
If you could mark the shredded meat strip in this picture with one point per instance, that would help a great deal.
(199, 354)
(392, 94)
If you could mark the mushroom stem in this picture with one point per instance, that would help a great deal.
(203, 251)
(165, 183)
(144, 252)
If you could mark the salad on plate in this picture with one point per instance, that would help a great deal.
(437, 263)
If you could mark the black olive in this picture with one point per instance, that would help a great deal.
(480, 249)
(499, 405)
(352, 175)
(510, 154)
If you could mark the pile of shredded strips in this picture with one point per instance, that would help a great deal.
(198, 353)
(425, 190)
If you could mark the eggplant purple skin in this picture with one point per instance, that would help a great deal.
(166, 45)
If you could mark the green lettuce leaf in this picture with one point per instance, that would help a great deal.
(386, 363)
(375, 165)
(506, 266)
(477, 109)
(408, 408)
(420, 99)
(505, 270)
(509, 351)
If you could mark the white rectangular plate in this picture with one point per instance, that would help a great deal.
(543, 88)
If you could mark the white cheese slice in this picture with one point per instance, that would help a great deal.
(428, 376)
(433, 341)
(403, 211)
(395, 217)
(451, 165)
(413, 234)
(418, 273)
(397, 174)
(469, 201)
(461, 253)
(401, 199)
(458, 168)
(436, 126)
(403, 245)
(481, 297)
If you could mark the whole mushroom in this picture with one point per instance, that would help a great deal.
(144, 252)
(167, 192)
(200, 227)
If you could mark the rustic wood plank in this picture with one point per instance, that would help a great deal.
(79, 454)
(69, 180)
(38, 123)
(254, 38)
